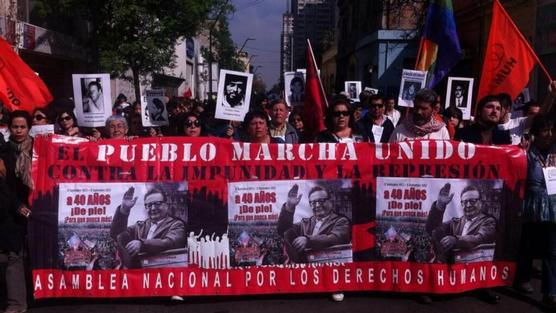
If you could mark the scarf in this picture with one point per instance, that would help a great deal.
(430, 127)
(23, 151)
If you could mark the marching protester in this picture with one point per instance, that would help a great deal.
(296, 120)
(539, 220)
(340, 125)
(41, 116)
(453, 118)
(279, 126)
(257, 128)
(421, 124)
(378, 126)
(68, 124)
(16, 184)
(391, 110)
(485, 129)
(116, 127)
(191, 125)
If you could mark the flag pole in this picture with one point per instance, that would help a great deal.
(317, 69)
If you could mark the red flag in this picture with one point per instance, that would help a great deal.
(188, 94)
(315, 101)
(509, 58)
(20, 87)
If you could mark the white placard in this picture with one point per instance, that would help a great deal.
(371, 90)
(550, 179)
(459, 94)
(91, 93)
(294, 88)
(153, 111)
(41, 130)
(412, 82)
(352, 89)
(234, 95)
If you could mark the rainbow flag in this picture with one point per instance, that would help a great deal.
(439, 50)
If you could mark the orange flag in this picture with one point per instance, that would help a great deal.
(20, 87)
(509, 59)
(315, 101)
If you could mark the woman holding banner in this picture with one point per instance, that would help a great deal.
(68, 124)
(16, 184)
(340, 125)
(539, 211)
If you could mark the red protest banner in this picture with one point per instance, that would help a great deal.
(240, 218)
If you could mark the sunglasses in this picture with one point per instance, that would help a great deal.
(340, 113)
(377, 106)
(39, 117)
(65, 118)
(190, 123)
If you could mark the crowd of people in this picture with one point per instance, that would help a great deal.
(374, 118)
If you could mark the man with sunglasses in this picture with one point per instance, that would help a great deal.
(160, 232)
(466, 232)
(378, 126)
(322, 230)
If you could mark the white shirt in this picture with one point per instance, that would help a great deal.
(517, 127)
(394, 116)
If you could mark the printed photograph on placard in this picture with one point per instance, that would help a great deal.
(352, 89)
(122, 225)
(434, 220)
(93, 104)
(412, 81)
(285, 222)
(154, 110)
(234, 95)
(460, 93)
(294, 88)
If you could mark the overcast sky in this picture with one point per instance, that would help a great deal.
(261, 20)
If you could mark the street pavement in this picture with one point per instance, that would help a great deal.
(354, 302)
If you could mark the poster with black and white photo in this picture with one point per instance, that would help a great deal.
(102, 225)
(294, 88)
(434, 220)
(274, 222)
(459, 94)
(412, 81)
(373, 91)
(234, 95)
(519, 102)
(352, 89)
(91, 93)
(154, 112)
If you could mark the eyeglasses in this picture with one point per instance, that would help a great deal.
(340, 113)
(157, 204)
(65, 118)
(39, 117)
(190, 123)
(320, 202)
(469, 201)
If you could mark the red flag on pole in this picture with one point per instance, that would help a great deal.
(20, 87)
(315, 102)
(509, 59)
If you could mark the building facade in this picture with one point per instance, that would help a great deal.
(376, 41)
(286, 44)
(313, 19)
